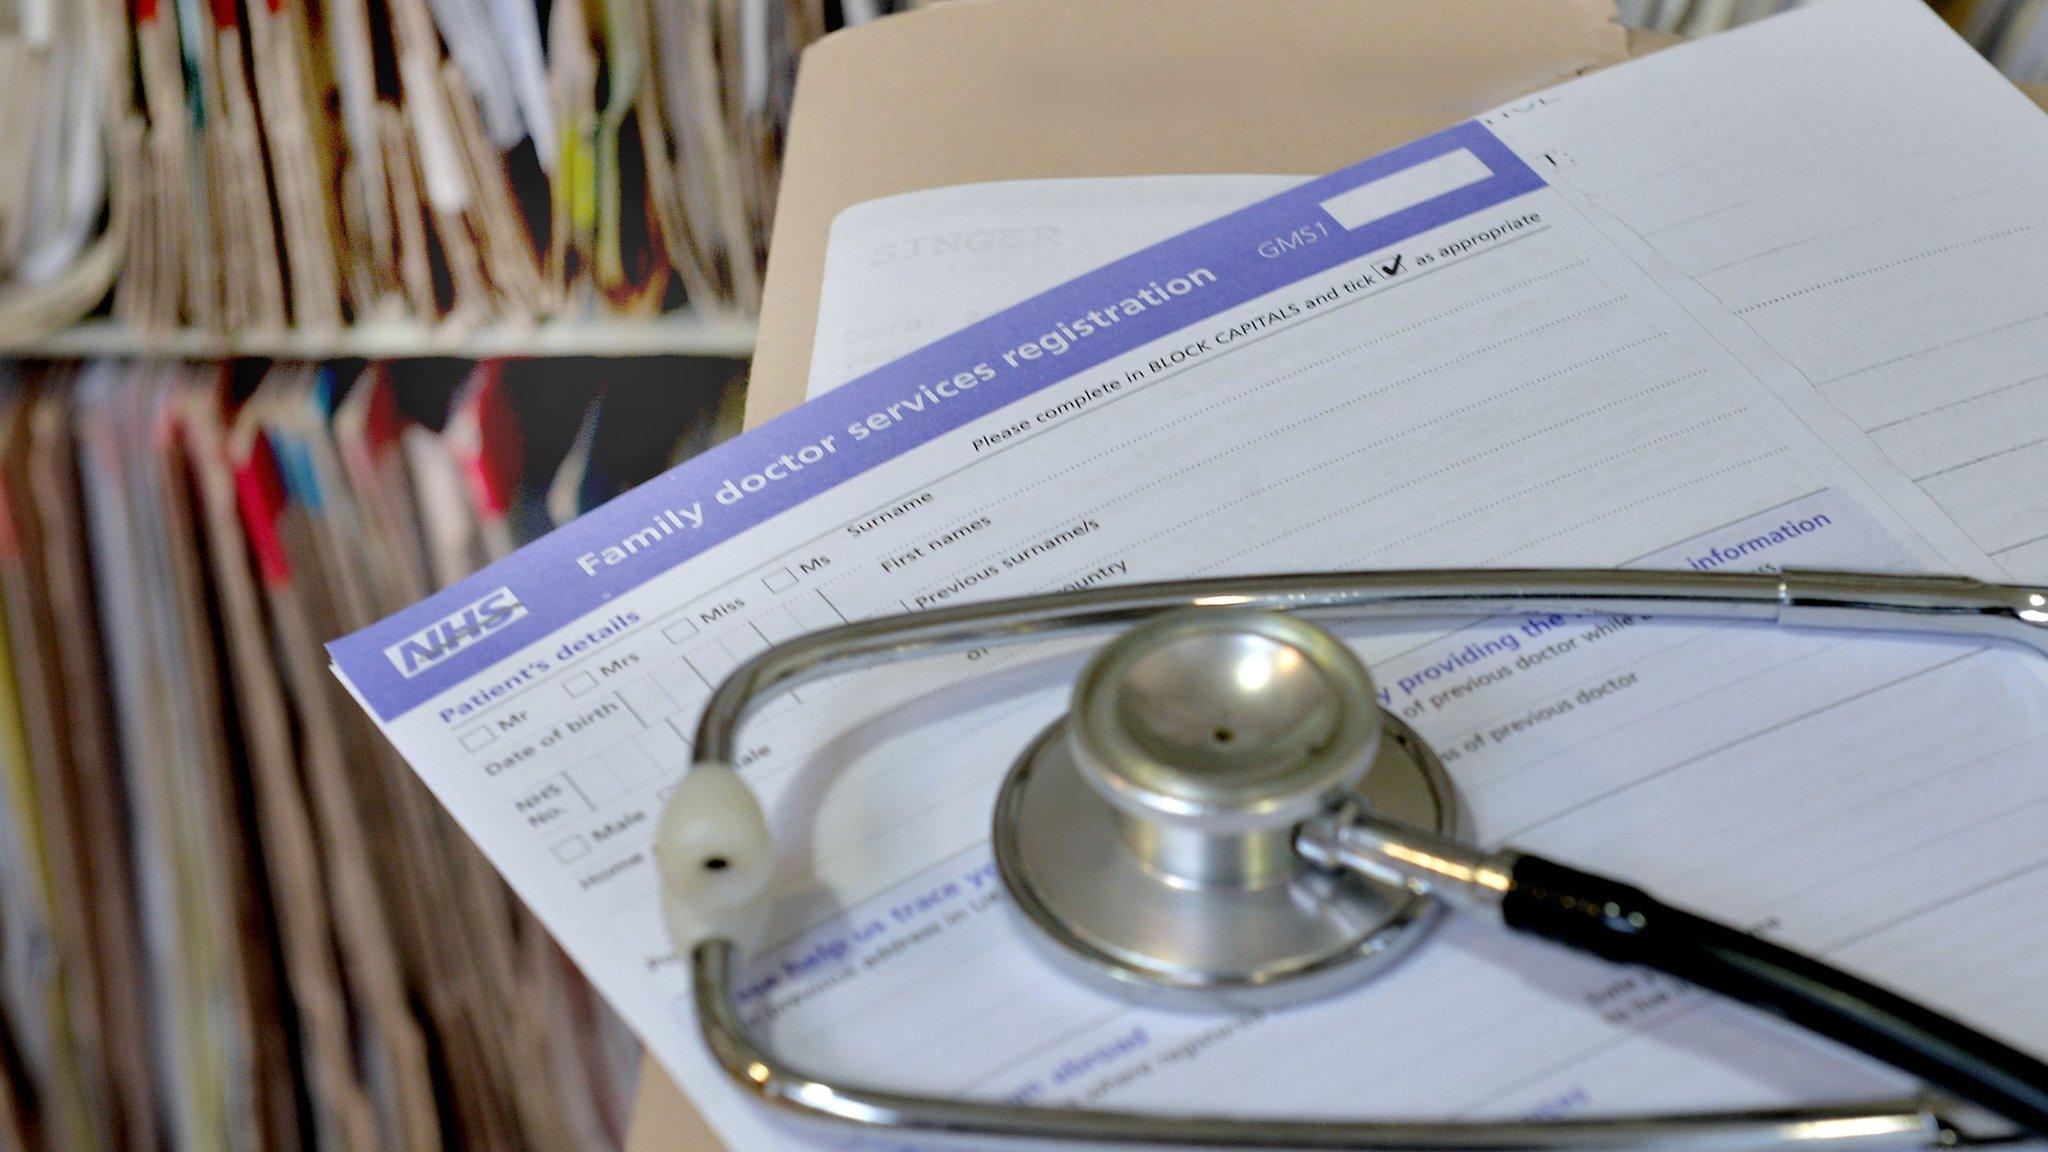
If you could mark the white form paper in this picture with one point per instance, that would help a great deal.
(1498, 372)
(1890, 279)
(905, 270)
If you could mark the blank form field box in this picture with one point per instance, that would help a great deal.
(1406, 188)
(720, 654)
(596, 782)
(806, 613)
(580, 683)
(666, 745)
(631, 763)
(680, 631)
(689, 691)
(780, 580)
(573, 849)
(478, 738)
(648, 699)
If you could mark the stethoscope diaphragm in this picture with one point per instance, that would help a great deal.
(1226, 818)
(1146, 838)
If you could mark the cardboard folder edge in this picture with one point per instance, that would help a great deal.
(1133, 87)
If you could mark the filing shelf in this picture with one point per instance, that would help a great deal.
(685, 333)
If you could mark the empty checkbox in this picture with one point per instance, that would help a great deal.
(580, 683)
(680, 631)
(478, 738)
(574, 848)
(780, 580)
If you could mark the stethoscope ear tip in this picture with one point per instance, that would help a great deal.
(716, 859)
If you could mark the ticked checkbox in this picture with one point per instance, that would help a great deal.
(780, 580)
(580, 683)
(478, 738)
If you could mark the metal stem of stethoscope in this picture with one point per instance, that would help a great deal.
(1143, 797)
(1617, 922)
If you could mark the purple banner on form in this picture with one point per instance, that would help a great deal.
(401, 662)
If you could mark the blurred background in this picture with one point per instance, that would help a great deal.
(307, 308)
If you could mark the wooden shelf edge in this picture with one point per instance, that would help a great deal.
(686, 333)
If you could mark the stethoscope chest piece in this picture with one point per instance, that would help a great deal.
(1227, 819)
(1147, 837)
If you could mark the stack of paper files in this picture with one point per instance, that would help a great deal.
(2013, 33)
(230, 917)
(249, 168)
(253, 167)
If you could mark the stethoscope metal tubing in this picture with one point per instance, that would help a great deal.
(1934, 605)
(1928, 605)
(1904, 1123)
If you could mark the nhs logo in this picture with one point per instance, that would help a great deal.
(451, 634)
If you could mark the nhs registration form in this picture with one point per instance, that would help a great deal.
(1453, 353)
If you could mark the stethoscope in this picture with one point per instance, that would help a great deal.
(1226, 818)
